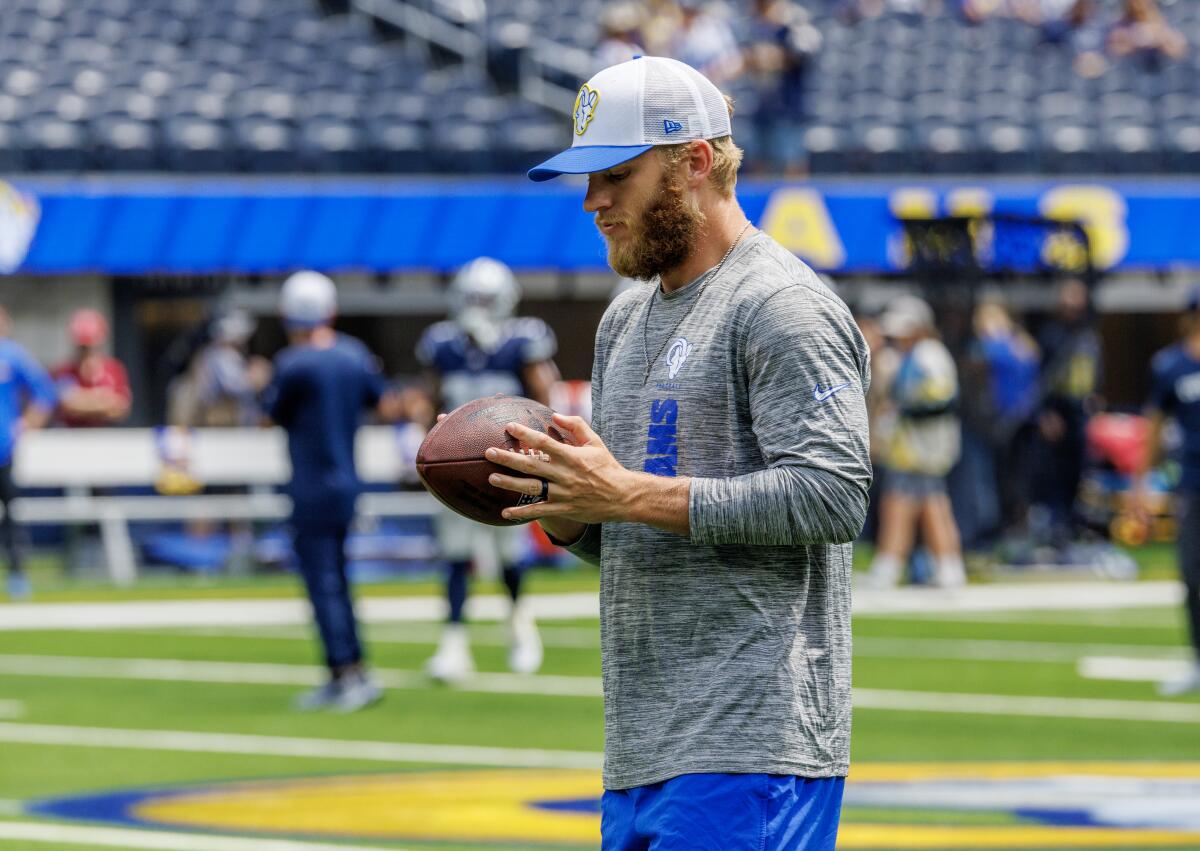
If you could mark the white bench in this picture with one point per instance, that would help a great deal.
(80, 460)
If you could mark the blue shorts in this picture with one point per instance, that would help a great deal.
(724, 812)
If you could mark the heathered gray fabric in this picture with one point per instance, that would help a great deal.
(730, 652)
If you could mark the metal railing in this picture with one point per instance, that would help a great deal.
(549, 72)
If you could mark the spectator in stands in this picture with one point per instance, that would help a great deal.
(853, 11)
(27, 400)
(1067, 386)
(1175, 393)
(920, 445)
(622, 40)
(780, 42)
(93, 388)
(322, 383)
(977, 11)
(222, 384)
(1143, 32)
(705, 41)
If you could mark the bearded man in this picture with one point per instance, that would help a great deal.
(726, 474)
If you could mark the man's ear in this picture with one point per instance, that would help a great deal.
(699, 163)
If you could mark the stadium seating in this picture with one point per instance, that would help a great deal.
(280, 85)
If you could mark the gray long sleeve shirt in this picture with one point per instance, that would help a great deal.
(730, 652)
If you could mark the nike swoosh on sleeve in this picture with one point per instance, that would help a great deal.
(821, 395)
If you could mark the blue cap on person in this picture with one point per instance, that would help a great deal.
(628, 108)
(308, 299)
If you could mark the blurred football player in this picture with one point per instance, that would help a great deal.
(322, 383)
(1175, 393)
(480, 351)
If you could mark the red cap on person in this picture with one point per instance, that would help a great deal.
(88, 327)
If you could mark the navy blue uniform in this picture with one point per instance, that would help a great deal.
(467, 372)
(1175, 392)
(318, 396)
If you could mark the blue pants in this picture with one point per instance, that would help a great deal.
(321, 553)
(724, 812)
(1188, 544)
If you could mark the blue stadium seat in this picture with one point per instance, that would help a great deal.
(195, 145)
(125, 144)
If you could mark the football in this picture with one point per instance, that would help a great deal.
(451, 459)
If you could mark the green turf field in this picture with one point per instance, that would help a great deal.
(954, 710)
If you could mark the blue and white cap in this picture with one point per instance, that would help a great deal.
(628, 108)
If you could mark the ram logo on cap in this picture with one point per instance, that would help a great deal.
(585, 108)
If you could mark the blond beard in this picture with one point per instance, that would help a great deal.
(662, 238)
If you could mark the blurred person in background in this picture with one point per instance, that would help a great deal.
(921, 441)
(1010, 358)
(884, 363)
(222, 384)
(1143, 33)
(27, 401)
(323, 381)
(481, 350)
(1175, 394)
(93, 387)
(779, 44)
(705, 41)
(622, 39)
(1067, 385)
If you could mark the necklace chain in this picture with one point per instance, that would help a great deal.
(700, 291)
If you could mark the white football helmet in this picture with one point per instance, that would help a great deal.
(483, 294)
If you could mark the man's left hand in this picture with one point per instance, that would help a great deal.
(587, 483)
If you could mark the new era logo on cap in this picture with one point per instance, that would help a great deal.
(628, 108)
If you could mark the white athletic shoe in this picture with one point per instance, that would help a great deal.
(1186, 684)
(452, 663)
(881, 577)
(949, 575)
(318, 698)
(357, 691)
(525, 644)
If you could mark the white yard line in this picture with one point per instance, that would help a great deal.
(577, 638)
(225, 613)
(1002, 651)
(252, 745)
(11, 808)
(1165, 617)
(159, 840)
(259, 673)
(251, 673)
(1017, 597)
(11, 709)
(179, 670)
(1132, 670)
(1037, 707)
(568, 637)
